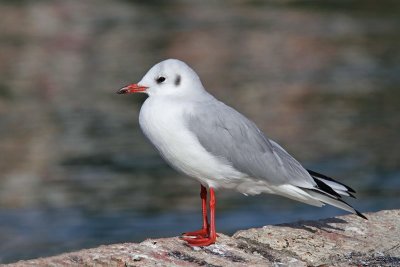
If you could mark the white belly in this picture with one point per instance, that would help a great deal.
(162, 121)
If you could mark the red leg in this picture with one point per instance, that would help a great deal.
(203, 232)
(212, 237)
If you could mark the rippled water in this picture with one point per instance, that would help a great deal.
(323, 80)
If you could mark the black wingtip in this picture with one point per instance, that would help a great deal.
(361, 215)
(319, 175)
(355, 211)
(351, 195)
(326, 188)
(351, 190)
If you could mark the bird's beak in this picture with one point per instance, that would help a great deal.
(133, 88)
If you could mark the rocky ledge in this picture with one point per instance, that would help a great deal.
(339, 241)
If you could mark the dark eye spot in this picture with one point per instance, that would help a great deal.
(160, 79)
(178, 80)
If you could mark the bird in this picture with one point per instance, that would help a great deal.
(207, 140)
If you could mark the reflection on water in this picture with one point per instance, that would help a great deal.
(76, 171)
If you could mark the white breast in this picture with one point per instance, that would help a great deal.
(162, 121)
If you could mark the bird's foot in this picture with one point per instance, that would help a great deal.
(200, 241)
(203, 233)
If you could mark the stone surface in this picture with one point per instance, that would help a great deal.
(340, 241)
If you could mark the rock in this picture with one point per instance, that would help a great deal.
(340, 241)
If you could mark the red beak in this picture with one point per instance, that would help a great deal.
(133, 88)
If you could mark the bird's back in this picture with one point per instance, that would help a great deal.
(228, 134)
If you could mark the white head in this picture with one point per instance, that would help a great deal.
(169, 77)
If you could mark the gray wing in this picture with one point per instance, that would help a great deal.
(226, 133)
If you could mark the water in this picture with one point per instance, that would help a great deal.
(76, 172)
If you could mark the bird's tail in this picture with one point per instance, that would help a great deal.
(330, 192)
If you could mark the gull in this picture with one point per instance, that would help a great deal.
(213, 143)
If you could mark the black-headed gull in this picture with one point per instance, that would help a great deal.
(221, 148)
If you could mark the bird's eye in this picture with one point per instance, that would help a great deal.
(160, 79)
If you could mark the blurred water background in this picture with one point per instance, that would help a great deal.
(320, 77)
